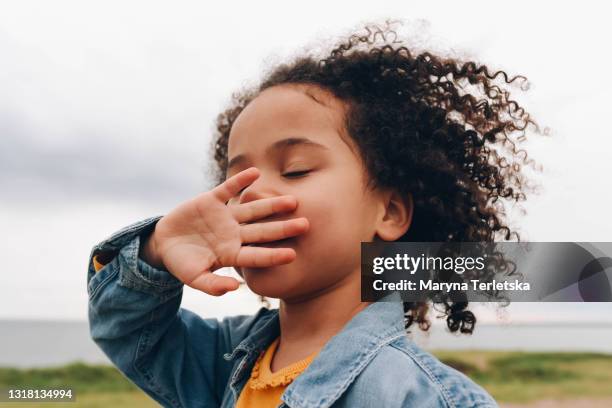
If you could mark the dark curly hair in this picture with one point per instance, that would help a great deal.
(421, 132)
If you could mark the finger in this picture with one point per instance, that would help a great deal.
(258, 257)
(273, 230)
(257, 209)
(215, 285)
(230, 187)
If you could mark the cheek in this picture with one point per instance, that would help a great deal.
(336, 228)
(335, 208)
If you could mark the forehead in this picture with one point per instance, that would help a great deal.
(290, 110)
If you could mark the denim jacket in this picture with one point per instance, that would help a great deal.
(183, 360)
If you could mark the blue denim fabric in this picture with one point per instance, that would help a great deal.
(183, 360)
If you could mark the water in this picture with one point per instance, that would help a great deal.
(29, 343)
(50, 343)
(524, 337)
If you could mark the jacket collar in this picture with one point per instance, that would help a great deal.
(346, 354)
(340, 361)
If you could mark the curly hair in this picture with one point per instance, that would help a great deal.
(420, 132)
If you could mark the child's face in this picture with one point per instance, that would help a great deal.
(330, 194)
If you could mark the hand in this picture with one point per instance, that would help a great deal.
(204, 234)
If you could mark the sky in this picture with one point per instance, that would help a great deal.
(107, 109)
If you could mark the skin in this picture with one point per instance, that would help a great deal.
(319, 290)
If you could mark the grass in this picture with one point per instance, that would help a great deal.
(525, 377)
(119, 399)
(95, 386)
(509, 376)
(78, 376)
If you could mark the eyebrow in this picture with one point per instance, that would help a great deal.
(280, 145)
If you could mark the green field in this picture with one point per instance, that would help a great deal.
(512, 377)
(526, 377)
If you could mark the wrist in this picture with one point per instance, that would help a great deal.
(148, 250)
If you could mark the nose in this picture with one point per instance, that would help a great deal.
(257, 190)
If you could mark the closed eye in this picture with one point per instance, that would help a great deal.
(295, 174)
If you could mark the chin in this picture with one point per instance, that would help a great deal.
(272, 282)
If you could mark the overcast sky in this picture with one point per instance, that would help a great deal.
(106, 111)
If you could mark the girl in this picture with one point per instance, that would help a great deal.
(370, 143)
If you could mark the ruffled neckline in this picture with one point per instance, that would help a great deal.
(262, 377)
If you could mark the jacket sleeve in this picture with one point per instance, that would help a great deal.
(135, 317)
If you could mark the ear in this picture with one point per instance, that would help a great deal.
(395, 216)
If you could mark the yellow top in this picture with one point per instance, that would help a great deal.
(97, 264)
(264, 388)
